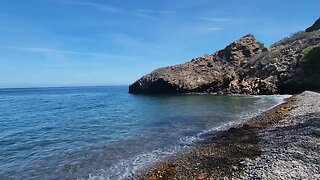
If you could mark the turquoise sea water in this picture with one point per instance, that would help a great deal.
(104, 132)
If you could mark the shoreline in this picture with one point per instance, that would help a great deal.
(247, 150)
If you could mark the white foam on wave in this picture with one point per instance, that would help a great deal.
(277, 98)
(259, 106)
(128, 167)
(190, 140)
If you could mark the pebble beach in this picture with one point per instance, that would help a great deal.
(281, 143)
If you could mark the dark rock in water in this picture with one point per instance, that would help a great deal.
(243, 67)
(314, 27)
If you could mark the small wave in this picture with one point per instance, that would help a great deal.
(190, 140)
(260, 106)
(128, 168)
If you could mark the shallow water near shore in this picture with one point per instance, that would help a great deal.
(106, 133)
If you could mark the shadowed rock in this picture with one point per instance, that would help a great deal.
(314, 27)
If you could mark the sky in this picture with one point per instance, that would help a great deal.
(46, 43)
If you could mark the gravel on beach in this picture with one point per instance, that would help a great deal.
(281, 143)
(290, 149)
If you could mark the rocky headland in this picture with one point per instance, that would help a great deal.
(246, 66)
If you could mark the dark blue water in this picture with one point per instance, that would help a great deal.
(104, 132)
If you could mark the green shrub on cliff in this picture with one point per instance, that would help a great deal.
(312, 59)
(306, 50)
(294, 37)
(160, 71)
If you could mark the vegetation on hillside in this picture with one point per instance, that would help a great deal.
(160, 71)
(312, 59)
(294, 37)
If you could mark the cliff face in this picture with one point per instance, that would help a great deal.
(314, 27)
(289, 66)
(243, 67)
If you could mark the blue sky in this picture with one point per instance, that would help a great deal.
(100, 42)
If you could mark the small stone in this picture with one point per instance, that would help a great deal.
(235, 168)
(203, 176)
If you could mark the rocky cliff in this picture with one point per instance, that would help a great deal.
(244, 67)
(314, 27)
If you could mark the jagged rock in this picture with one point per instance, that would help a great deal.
(314, 27)
(245, 66)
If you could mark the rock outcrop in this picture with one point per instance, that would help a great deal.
(243, 67)
(209, 73)
(314, 27)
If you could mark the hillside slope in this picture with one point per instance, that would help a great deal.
(244, 67)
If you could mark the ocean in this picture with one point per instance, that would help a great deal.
(105, 132)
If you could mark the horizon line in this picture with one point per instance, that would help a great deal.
(75, 86)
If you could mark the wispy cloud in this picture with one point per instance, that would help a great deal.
(212, 29)
(141, 13)
(214, 19)
(61, 51)
(151, 14)
(150, 11)
(98, 6)
(147, 16)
